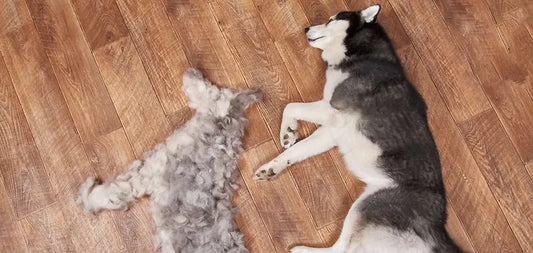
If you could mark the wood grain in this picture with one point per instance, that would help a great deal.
(467, 190)
(76, 72)
(137, 105)
(500, 67)
(11, 238)
(42, 101)
(457, 232)
(22, 170)
(58, 142)
(529, 168)
(249, 221)
(110, 155)
(101, 21)
(504, 172)
(278, 202)
(159, 48)
(331, 232)
(449, 67)
(318, 12)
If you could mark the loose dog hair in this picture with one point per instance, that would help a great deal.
(189, 176)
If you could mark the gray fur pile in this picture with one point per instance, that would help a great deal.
(189, 176)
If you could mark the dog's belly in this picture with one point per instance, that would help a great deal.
(359, 153)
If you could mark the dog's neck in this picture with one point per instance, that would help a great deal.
(334, 53)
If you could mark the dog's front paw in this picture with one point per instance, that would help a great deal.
(269, 170)
(288, 134)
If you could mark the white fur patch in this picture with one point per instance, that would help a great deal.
(369, 14)
(383, 239)
(329, 38)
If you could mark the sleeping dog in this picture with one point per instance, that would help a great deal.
(377, 119)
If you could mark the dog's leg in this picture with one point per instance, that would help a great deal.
(352, 225)
(318, 142)
(319, 112)
(116, 193)
(349, 227)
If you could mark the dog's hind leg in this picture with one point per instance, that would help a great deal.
(351, 228)
(116, 193)
(318, 142)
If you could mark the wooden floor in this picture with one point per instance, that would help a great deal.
(88, 86)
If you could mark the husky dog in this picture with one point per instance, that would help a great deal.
(188, 177)
(378, 121)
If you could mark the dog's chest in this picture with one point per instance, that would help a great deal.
(333, 78)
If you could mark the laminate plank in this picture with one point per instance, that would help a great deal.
(515, 23)
(283, 211)
(159, 49)
(22, 170)
(250, 223)
(318, 180)
(457, 231)
(58, 229)
(529, 168)
(11, 238)
(331, 232)
(467, 190)
(500, 66)
(46, 231)
(42, 101)
(110, 155)
(57, 140)
(137, 105)
(101, 21)
(206, 49)
(282, 19)
(504, 172)
(319, 11)
(449, 66)
(71, 59)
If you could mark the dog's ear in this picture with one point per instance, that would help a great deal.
(245, 98)
(370, 14)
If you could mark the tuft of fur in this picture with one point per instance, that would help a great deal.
(189, 176)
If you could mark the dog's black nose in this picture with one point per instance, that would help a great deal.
(306, 29)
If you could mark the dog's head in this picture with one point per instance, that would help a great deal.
(208, 99)
(331, 36)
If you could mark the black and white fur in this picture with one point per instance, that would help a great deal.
(378, 121)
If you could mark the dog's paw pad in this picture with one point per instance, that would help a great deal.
(288, 137)
(267, 172)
